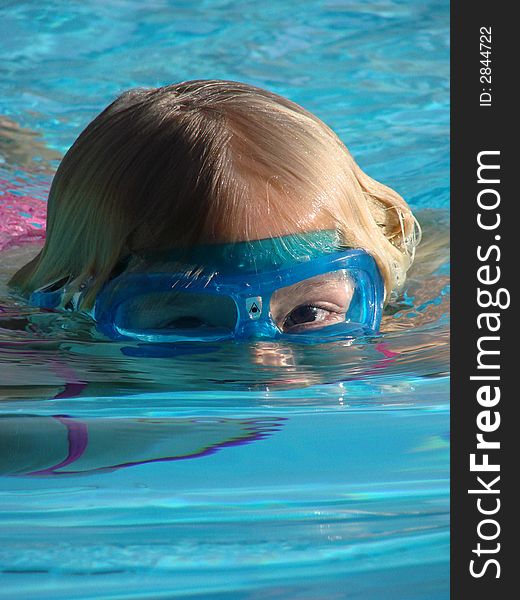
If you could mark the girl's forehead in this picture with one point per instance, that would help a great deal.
(271, 222)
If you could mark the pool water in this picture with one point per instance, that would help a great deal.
(234, 470)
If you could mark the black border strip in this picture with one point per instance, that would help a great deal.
(482, 125)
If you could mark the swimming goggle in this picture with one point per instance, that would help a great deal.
(247, 292)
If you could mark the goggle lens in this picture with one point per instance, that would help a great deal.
(316, 302)
(176, 314)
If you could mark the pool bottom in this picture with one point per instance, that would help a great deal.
(356, 498)
(360, 547)
(401, 583)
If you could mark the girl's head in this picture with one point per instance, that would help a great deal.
(203, 162)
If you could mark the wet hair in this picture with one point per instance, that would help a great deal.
(209, 161)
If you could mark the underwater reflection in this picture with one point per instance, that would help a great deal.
(32, 445)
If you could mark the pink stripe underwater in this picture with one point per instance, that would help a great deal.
(22, 218)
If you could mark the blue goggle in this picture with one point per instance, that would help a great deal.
(339, 293)
(251, 291)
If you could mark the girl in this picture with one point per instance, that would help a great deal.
(212, 210)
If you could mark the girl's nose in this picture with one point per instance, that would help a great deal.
(274, 354)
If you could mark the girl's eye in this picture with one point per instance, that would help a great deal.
(185, 322)
(309, 316)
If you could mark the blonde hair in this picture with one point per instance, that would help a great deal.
(207, 161)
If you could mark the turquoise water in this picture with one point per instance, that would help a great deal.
(246, 471)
